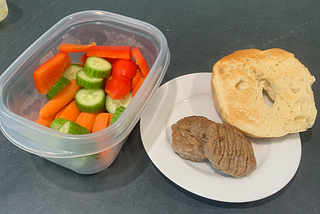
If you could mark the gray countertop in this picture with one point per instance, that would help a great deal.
(199, 32)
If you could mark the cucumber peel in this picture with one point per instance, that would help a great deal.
(112, 104)
(117, 114)
(57, 87)
(71, 127)
(57, 123)
(88, 82)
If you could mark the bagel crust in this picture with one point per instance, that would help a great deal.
(239, 81)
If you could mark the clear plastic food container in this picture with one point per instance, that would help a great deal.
(20, 102)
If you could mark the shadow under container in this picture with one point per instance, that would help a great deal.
(20, 101)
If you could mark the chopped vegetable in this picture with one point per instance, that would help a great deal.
(45, 120)
(118, 87)
(100, 154)
(86, 120)
(136, 78)
(64, 97)
(71, 127)
(90, 100)
(112, 104)
(48, 73)
(101, 122)
(57, 123)
(83, 58)
(117, 114)
(71, 48)
(114, 52)
(88, 82)
(141, 62)
(60, 111)
(71, 72)
(71, 112)
(97, 67)
(57, 87)
(112, 61)
(123, 67)
(137, 86)
(109, 77)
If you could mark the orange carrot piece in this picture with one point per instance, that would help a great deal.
(109, 119)
(45, 120)
(136, 78)
(71, 48)
(64, 97)
(137, 86)
(101, 122)
(141, 62)
(71, 112)
(86, 120)
(47, 74)
(60, 111)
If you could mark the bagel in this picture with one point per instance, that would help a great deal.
(239, 81)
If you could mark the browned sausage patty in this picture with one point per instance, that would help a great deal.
(229, 150)
(189, 135)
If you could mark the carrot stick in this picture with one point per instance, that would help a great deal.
(137, 86)
(71, 48)
(45, 120)
(136, 78)
(65, 96)
(141, 62)
(60, 111)
(109, 119)
(101, 122)
(86, 120)
(71, 112)
(114, 52)
(48, 73)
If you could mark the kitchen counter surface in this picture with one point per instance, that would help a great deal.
(199, 32)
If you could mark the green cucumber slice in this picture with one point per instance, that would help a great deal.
(57, 87)
(112, 104)
(90, 100)
(117, 114)
(71, 127)
(71, 72)
(57, 123)
(97, 67)
(87, 81)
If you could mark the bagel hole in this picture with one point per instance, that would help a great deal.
(266, 98)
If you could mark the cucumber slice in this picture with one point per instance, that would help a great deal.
(71, 127)
(57, 123)
(87, 81)
(112, 104)
(71, 72)
(90, 100)
(117, 114)
(97, 67)
(57, 87)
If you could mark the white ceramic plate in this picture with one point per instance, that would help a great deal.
(277, 159)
